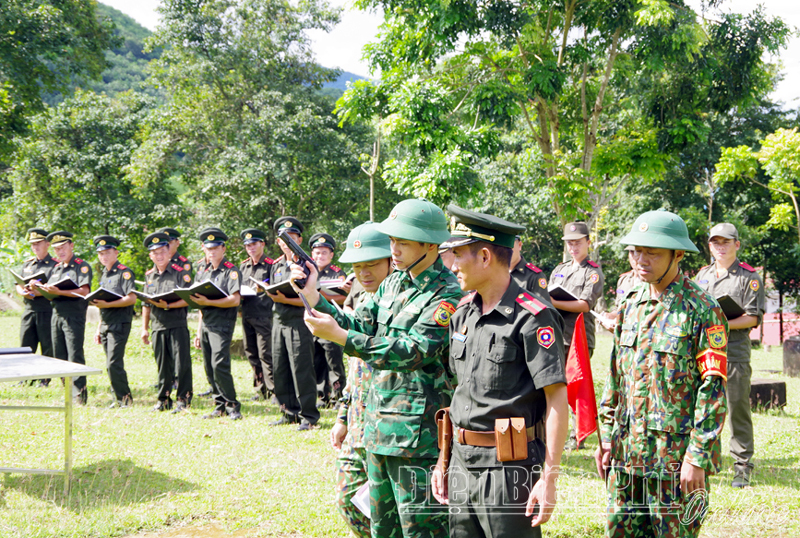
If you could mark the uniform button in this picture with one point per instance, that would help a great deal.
(466, 407)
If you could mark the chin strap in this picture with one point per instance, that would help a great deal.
(410, 267)
(671, 259)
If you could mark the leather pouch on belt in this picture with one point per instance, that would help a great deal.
(511, 439)
(445, 433)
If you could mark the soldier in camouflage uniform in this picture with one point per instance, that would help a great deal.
(369, 252)
(402, 333)
(506, 352)
(663, 406)
(728, 276)
(34, 328)
(527, 275)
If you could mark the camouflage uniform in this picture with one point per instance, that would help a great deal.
(402, 333)
(531, 278)
(584, 282)
(743, 284)
(625, 285)
(351, 462)
(663, 404)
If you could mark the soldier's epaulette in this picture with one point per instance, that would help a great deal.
(246, 260)
(466, 299)
(704, 267)
(78, 260)
(627, 273)
(200, 262)
(177, 267)
(530, 303)
(30, 259)
(183, 258)
(228, 264)
(334, 268)
(592, 264)
(150, 271)
(747, 267)
(533, 268)
(269, 260)
(120, 266)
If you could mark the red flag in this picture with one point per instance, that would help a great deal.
(580, 386)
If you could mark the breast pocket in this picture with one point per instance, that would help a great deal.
(672, 390)
(500, 369)
(397, 417)
(384, 316)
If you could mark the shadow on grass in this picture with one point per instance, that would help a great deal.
(114, 482)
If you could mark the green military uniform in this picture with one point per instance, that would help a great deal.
(402, 333)
(68, 325)
(169, 330)
(364, 244)
(744, 285)
(531, 278)
(502, 359)
(257, 318)
(292, 347)
(585, 282)
(34, 329)
(115, 326)
(218, 325)
(664, 400)
(328, 359)
(625, 285)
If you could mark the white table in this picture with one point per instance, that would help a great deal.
(27, 366)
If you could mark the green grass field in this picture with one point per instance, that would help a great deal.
(140, 473)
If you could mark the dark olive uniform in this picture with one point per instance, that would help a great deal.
(584, 282)
(257, 325)
(170, 334)
(531, 278)
(183, 261)
(744, 285)
(69, 318)
(34, 329)
(502, 360)
(328, 357)
(115, 327)
(217, 334)
(293, 354)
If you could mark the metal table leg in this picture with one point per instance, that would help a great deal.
(67, 434)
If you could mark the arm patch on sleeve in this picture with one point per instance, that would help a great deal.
(443, 312)
(713, 362)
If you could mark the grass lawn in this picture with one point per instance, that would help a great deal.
(142, 473)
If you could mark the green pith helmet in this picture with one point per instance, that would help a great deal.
(416, 220)
(365, 243)
(659, 229)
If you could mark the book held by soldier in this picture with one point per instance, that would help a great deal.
(207, 289)
(23, 280)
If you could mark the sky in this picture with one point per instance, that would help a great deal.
(341, 48)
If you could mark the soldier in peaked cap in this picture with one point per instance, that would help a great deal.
(663, 407)
(170, 336)
(217, 322)
(504, 347)
(527, 275)
(257, 313)
(401, 331)
(69, 312)
(731, 277)
(34, 330)
(116, 316)
(328, 357)
(174, 243)
(292, 343)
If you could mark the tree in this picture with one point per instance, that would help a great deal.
(44, 44)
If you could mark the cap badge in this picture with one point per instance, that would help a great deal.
(210, 238)
(155, 240)
(643, 227)
(102, 242)
(356, 244)
(572, 228)
(248, 236)
(287, 224)
(393, 215)
(320, 240)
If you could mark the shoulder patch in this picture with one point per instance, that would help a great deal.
(754, 285)
(545, 336)
(594, 278)
(466, 299)
(747, 267)
(530, 303)
(443, 312)
(533, 268)
(592, 264)
(177, 267)
(228, 264)
(717, 338)
(183, 258)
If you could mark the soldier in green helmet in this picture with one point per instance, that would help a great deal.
(401, 332)
(663, 407)
(369, 252)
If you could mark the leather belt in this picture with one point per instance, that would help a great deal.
(485, 439)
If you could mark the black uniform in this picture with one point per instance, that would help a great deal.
(115, 328)
(257, 325)
(329, 357)
(531, 278)
(503, 359)
(217, 333)
(69, 318)
(183, 261)
(293, 355)
(170, 335)
(34, 327)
